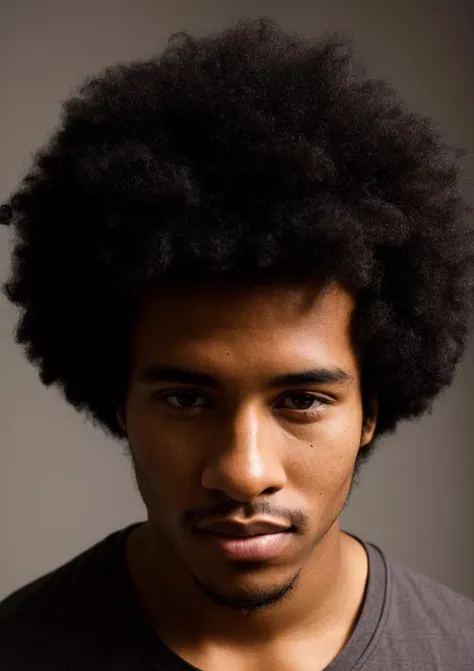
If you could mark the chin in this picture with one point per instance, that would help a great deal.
(249, 593)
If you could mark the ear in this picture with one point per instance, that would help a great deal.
(370, 422)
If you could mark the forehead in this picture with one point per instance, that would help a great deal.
(275, 325)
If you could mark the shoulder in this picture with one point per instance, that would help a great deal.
(43, 619)
(53, 589)
(425, 622)
(416, 594)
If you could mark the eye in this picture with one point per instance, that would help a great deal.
(183, 399)
(303, 402)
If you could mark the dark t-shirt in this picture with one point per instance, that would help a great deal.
(85, 616)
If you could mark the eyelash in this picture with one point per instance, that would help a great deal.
(164, 396)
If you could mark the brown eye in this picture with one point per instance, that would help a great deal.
(302, 402)
(183, 400)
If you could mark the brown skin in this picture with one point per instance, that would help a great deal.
(242, 450)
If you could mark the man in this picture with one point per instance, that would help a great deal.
(245, 259)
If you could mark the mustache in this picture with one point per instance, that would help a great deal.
(196, 516)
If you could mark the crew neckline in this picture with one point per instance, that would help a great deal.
(352, 657)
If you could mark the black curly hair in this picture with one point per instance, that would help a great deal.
(250, 154)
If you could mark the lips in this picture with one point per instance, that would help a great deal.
(254, 541)
(234, 529)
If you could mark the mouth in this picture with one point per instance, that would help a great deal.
(256, 541)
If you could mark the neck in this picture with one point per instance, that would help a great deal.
(326, 598)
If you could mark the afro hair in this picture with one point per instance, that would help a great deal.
(250, 153)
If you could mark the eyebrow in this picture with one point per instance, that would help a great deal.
(167, 373)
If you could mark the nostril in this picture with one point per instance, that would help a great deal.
(270, 490)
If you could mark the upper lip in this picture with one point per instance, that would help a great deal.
(234, 528)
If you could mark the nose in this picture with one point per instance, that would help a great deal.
(246, 461)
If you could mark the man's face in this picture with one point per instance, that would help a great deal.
(223, 426)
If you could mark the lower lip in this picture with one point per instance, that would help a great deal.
(251, 548)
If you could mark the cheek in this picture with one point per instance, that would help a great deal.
(166, 468)
(321, 460)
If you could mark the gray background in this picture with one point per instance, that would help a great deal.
(63, 485)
